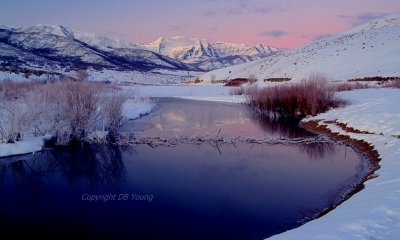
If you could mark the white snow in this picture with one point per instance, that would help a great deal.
(368, 50)
(207, 55)
(133, 109)
(373, 213)
(153, 77)
(194, 92)
(20, 76)
(28, 145)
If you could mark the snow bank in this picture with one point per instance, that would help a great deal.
(373, 213)
(133, 109)
(29, 145)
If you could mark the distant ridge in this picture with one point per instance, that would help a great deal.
(208, 56)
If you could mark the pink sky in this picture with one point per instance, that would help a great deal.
(280, 23)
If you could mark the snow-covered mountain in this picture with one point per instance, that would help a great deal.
(56, 47)
(371, 49)
(208, 56)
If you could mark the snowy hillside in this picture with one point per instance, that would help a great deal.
(55, 47)
(206, 55)
(371, 49)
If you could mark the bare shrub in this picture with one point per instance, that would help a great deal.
(68, 110)
(394, 83)
(348, 86)
(373, 79)
(82, 75)
(213, 77)
(252, 78)
(77, 109)
(14, 113)
(238, 91)
(42, 104)
(13, 89)
(237, 82)
(112, 109)
(277, 79)
(309, 97)
(12, 120)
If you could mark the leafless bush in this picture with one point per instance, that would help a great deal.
(68, 110)
(394, 83)
(42, 108)
(309, 97)
(285, 79)
(348, 86)
(252, 78)
(77, 109)
(82, 75)
(13, 90)
(12, 120)
(112, 110)
(237, 82)
(213, 77)
(238, 91)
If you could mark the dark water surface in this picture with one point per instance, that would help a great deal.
(184, 192)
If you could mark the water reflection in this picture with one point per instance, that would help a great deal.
(317, 151)
(242, 191)
(92, 167)
(276, 126)
(183, 118)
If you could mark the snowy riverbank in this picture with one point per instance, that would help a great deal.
(374, 212)
(131, 109)
(28, 145)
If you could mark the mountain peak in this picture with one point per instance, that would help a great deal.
(56, 47)
(207, 55)
(46, 29)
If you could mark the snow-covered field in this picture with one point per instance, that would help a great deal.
(195, 92)
(153, 77)
(19, 77)
(373, 213)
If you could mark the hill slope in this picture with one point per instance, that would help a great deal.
(371, 49)
(57, 47)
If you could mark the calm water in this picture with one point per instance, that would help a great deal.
(184, 192)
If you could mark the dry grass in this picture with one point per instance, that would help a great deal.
(68, 110)
(310, 97)
(394, 83)
(373, 79)
(238, 82)
(348, 86)
(238, 91)
(277, 79)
